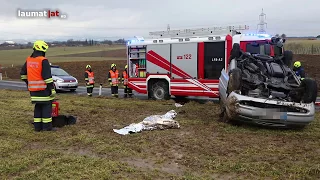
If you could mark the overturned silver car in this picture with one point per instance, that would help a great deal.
(264, 90)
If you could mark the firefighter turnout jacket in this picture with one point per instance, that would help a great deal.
(36, 72)
(113, 77)
(125, 78)
(89, 78)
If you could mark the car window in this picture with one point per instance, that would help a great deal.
(58, 72)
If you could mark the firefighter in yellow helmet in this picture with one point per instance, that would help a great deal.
(127, 90)
(297, 67)
(89, 78)
(114, 78)
(36, 72)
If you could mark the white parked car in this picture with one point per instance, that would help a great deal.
(62, 80)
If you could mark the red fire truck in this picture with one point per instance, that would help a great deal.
(185, 62)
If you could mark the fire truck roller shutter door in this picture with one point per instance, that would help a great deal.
(214, 59)
(185, 56)
(155, 63)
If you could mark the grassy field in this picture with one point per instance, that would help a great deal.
(202, 149)
(298, 46)
(18, 56)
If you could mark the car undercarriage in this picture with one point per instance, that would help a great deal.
(263, 76)
(264, 90)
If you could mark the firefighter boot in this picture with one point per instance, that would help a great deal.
(48, 127)
(125, 95)
(37, 126)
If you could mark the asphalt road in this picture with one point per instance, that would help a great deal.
(16, 85)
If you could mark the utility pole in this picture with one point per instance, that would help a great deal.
(262, 24)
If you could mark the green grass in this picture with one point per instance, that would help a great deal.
(18, 56)
(202, 149)
(303, 46)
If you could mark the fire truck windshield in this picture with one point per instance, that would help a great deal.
(262, 47)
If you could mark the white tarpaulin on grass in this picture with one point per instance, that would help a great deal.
(151, 123)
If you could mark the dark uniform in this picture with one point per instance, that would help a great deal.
(89, 78)
(127, 90)
(36, 72)
(297, 67)
(114, 78)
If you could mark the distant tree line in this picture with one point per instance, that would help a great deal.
(69, 42)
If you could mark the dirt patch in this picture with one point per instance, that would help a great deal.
(311, 64)
(114, 53)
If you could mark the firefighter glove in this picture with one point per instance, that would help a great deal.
(111, 83)
(53, 92)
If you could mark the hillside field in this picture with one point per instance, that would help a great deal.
(303, 46)
(202, 148)
(62, 54)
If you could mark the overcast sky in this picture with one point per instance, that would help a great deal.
(124, 18)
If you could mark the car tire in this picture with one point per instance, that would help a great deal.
(235, 80)
(236, 51)
(288, 58)
(160, 91)
(72, 90)
(310, 90)
(55, 88)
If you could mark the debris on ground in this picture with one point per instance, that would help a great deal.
(151, 123)
(178, 105)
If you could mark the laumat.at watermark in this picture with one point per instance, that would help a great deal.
(44, 13)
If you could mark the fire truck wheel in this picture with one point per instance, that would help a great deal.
(160, 91)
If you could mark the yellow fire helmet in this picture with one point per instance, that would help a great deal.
(113, 65)
(40, 46)
(88, 66)
(297, 64)
(126, 67)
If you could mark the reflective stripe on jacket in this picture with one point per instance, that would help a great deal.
(125, 78)
(34, 76)
(114, 77)
(90, 77)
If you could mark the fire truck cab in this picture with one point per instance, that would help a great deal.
(187, 62)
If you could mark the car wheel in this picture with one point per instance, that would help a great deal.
(160, 91)
(235, 80)
(236, 51)
(310, 90)
(72, 90)
(54, 87)
(288, 58)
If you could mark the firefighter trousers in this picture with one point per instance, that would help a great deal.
(89, 91)
(127, 91)
(114, 91)
(42, 116)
